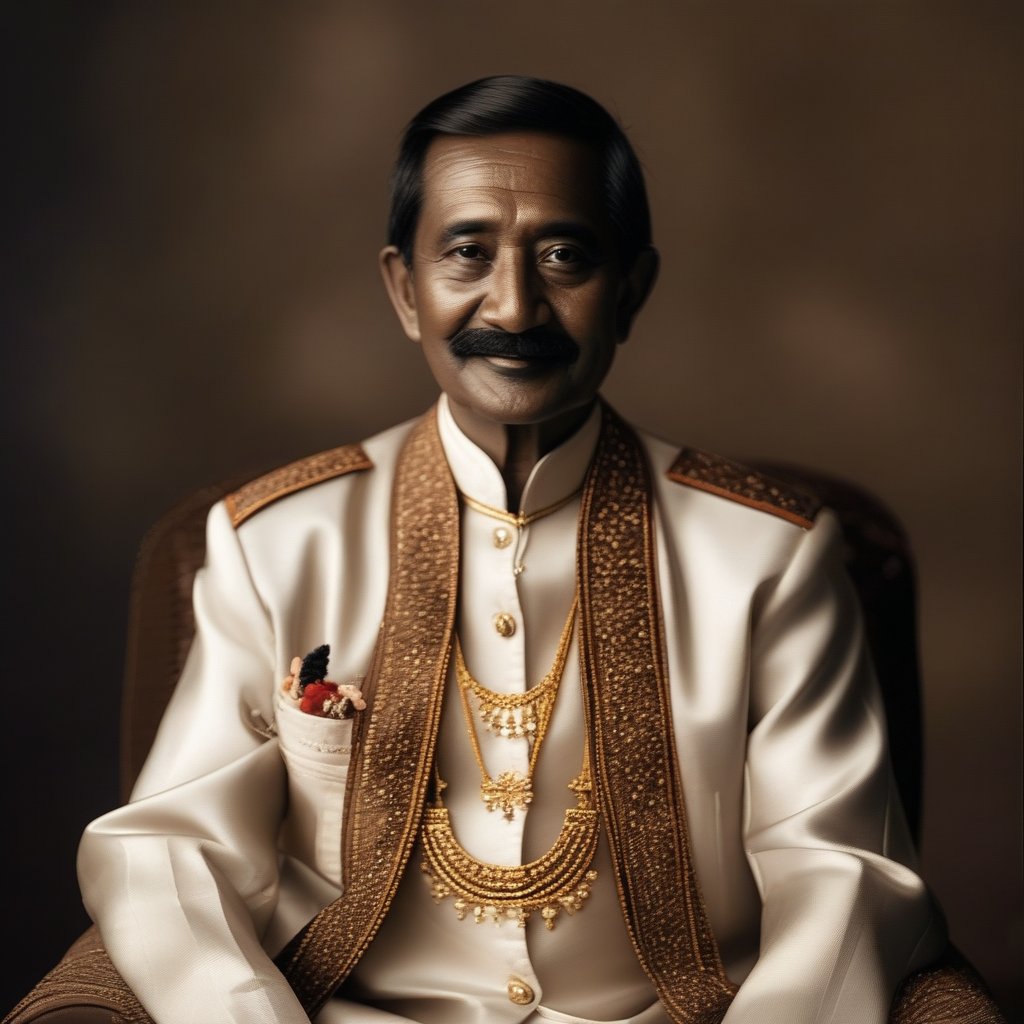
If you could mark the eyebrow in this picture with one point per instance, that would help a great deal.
(566, 228)
(572, 229)
(464, 227)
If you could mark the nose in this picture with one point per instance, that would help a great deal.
(514, 300)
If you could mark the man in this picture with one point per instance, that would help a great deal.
(634, 669)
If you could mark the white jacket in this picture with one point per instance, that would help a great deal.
(233, 839)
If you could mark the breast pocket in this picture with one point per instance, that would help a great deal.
(316, 752)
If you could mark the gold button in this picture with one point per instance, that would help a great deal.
(504, 623)
(519, 992)
(502, 537)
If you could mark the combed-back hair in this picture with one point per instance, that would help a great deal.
(518, 103)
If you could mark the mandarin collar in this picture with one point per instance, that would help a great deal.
(557, 475)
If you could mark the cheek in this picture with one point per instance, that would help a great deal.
(587, 313)
(444, 305)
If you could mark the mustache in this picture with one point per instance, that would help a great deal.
(539, 344)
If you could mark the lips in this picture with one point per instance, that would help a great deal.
(538, 345)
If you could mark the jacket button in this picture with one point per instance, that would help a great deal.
(504, 624)
(519, 992)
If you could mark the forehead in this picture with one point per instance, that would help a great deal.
(515, 176)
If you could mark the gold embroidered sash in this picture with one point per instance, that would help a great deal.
(626, 701)
(636, 771)
(393, 751)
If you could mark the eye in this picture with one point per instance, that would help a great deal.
(470, 251)
(562, 254)
(567, 256)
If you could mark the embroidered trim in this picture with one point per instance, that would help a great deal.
(295, 476)
(324, 748)
(727, 479)
(637, 772)
(393, 741)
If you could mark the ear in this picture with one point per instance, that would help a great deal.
(398, 284)
(637, 285)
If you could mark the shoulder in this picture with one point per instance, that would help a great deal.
(295, 476)
(734, 481)
(316, 474)
(696, 470)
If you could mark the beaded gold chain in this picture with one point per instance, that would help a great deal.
(560, 880)
(515, 715)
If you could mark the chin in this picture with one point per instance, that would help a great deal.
(529, 410)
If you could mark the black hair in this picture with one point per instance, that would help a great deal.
(514, 103)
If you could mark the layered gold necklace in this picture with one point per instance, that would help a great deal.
(561, 879)
(514, 716)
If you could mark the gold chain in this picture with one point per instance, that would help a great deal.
(511, 790)
(518, 715)
(560, 880)
(517, 519)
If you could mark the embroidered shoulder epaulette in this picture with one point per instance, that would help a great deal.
(296, 476)
(747, 486)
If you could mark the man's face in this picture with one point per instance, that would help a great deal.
(516, 291)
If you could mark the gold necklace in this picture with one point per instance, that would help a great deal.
(518, 519)
(511, 790)
(518, 715)
(559, 880)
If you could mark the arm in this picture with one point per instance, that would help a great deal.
(845, 916)
(183, 880)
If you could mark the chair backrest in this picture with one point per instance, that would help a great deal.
(878, 557)
(160, 621)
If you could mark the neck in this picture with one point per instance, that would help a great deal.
(516, 448)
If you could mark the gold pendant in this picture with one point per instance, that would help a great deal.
(559, 881)
(509, 792)
(505, 722)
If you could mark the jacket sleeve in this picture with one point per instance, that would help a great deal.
(183, 880)
(845, 915)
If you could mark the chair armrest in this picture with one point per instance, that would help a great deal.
(84, 988)
(948, 992)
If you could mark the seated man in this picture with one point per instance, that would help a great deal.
(559, 722)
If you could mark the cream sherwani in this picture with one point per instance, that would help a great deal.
(232, 840)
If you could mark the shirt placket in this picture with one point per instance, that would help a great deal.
(491, 628)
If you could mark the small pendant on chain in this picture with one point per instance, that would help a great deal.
(508, 793)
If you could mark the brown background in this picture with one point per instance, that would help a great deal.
(199, 193)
